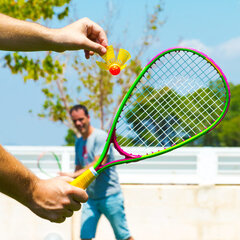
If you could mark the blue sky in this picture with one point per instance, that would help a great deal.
(211, 26)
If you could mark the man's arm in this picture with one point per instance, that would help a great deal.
(53, 199)
(79, 169)
(19, 35)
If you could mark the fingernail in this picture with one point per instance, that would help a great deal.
(103, 50)
(105, 44)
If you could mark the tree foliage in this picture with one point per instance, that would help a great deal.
(97, 89)
(162, 116)
(46, 67)
(102, 93)
(35, 9)
(226, 133)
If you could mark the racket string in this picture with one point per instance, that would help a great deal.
(176, 88)
(163, 126)
(189, 103)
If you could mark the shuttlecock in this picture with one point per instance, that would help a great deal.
(113, 65)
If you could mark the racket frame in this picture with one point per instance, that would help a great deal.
(56, 159)
(133, 158)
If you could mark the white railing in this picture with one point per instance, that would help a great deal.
(203, 165)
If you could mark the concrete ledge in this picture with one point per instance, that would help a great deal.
(168, 212)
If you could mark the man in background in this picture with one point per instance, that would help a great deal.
(105, 194)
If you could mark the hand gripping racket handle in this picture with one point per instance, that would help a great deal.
(84, 180)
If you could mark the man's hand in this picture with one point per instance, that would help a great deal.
(83, 34)
(55, 199)
(18, 35)
(77, 173)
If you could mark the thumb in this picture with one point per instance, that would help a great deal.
(67, 179)
(95, 47)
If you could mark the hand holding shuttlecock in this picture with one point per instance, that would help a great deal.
(113, 65)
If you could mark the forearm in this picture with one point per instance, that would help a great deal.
(79, 170)
(18, 35)
(16, 180)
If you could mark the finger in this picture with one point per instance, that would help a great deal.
(67, 178)
(68, 213)
(94, 47)
(79, 195)
(58, 220)
(86, 54)
(61, 174)
(91, 53)
(74, 206)
(76, 193)
(95, 38)
(98, 34)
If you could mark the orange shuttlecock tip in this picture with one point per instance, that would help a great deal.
(113, 65)
(114, 69)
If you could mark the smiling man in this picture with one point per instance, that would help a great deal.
(105, 194)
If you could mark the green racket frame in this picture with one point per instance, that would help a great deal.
(98, 168)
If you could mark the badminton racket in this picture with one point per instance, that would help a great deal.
(178, 97)
(49, 164)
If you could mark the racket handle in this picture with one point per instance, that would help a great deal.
(84, 180)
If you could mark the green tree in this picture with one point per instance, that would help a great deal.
(229, 135)
(228, 131)
(70, 138)
(44, 66)
(35, 9)
(165, 116)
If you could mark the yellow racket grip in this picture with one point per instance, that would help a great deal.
(84, 180)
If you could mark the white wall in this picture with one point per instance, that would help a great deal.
(19, 223)
(169, 212)
(187, 194)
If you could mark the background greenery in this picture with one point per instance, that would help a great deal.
(97, 89)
